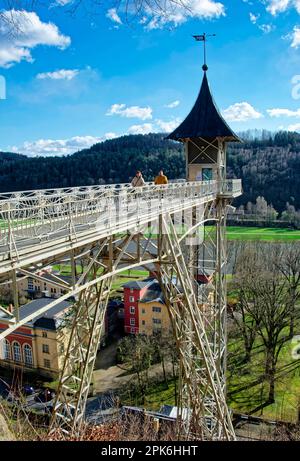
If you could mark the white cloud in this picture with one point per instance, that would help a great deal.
(172, 105)
(295, 127)
(64, 2)
(49, 147)
(31, 32)
(141, 129)
(254, 18)
(144, 113)
(61, 74)
(283, 113)
(280, 6)
(113, 15)
(295, 37)
(169, 126)
(241, 112)
(178, 13)
(266, 28)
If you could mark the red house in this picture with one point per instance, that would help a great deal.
(133, 292)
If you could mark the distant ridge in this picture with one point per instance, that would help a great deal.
(269, 165)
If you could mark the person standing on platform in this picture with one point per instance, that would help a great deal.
(138, 180)
(161, 179)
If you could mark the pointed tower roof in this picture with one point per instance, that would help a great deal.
(204, 120)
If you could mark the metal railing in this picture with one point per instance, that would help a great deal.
(41, 217)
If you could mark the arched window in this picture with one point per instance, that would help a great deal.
(28, 355)
(17, 352)
(6, 350)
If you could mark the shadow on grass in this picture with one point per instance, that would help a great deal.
(247, 386)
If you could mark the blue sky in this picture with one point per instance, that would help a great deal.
(72, 81)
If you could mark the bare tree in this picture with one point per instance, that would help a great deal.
(288, 264)
(130, 8)
(247, 267)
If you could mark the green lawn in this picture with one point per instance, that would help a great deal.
(158, 394)
(247, 389)
(262, 233)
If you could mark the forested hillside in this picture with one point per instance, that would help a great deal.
(268, 167)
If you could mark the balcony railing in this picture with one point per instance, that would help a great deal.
(32, 219)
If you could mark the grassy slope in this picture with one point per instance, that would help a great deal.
(262, 233)
(245, 394)
(287, 390)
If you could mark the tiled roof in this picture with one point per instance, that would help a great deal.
(48, 319)
(204, 120)
(139, 284)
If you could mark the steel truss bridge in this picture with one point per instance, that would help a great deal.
(180, 229)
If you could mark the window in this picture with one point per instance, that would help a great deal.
(132, 310)
(143, 311)
(156, 309)
(6, 350)
(132, 322)
(131, 299)
(207, 174)
(45, 348)
(157, 321)
(131, 290)
(132, 330)
(47, 363)
(28, 355)
(143, 322)
(17, 352)
(44, 334)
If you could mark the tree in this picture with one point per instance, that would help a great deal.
(131, 10)
(247, 268)
(288, 264)
(270, 308)
(267, 283)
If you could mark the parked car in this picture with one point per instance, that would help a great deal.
(28, 390)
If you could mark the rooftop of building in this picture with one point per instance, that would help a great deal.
(47, 320)
(139, 284)
(204, 120)
(153, 293)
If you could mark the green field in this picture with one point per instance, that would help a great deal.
(247, 390)
(262, 233)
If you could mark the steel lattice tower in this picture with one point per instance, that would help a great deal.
(180, 228)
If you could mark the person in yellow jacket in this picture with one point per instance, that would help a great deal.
(161, 178)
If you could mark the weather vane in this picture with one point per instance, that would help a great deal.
(203, 38)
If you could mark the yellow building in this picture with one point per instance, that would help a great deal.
(153, 314)
(39, 345)
(52, 285)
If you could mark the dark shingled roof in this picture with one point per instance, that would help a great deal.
(153, 293)
(138, 284)
(204, 120)
(48, 320)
